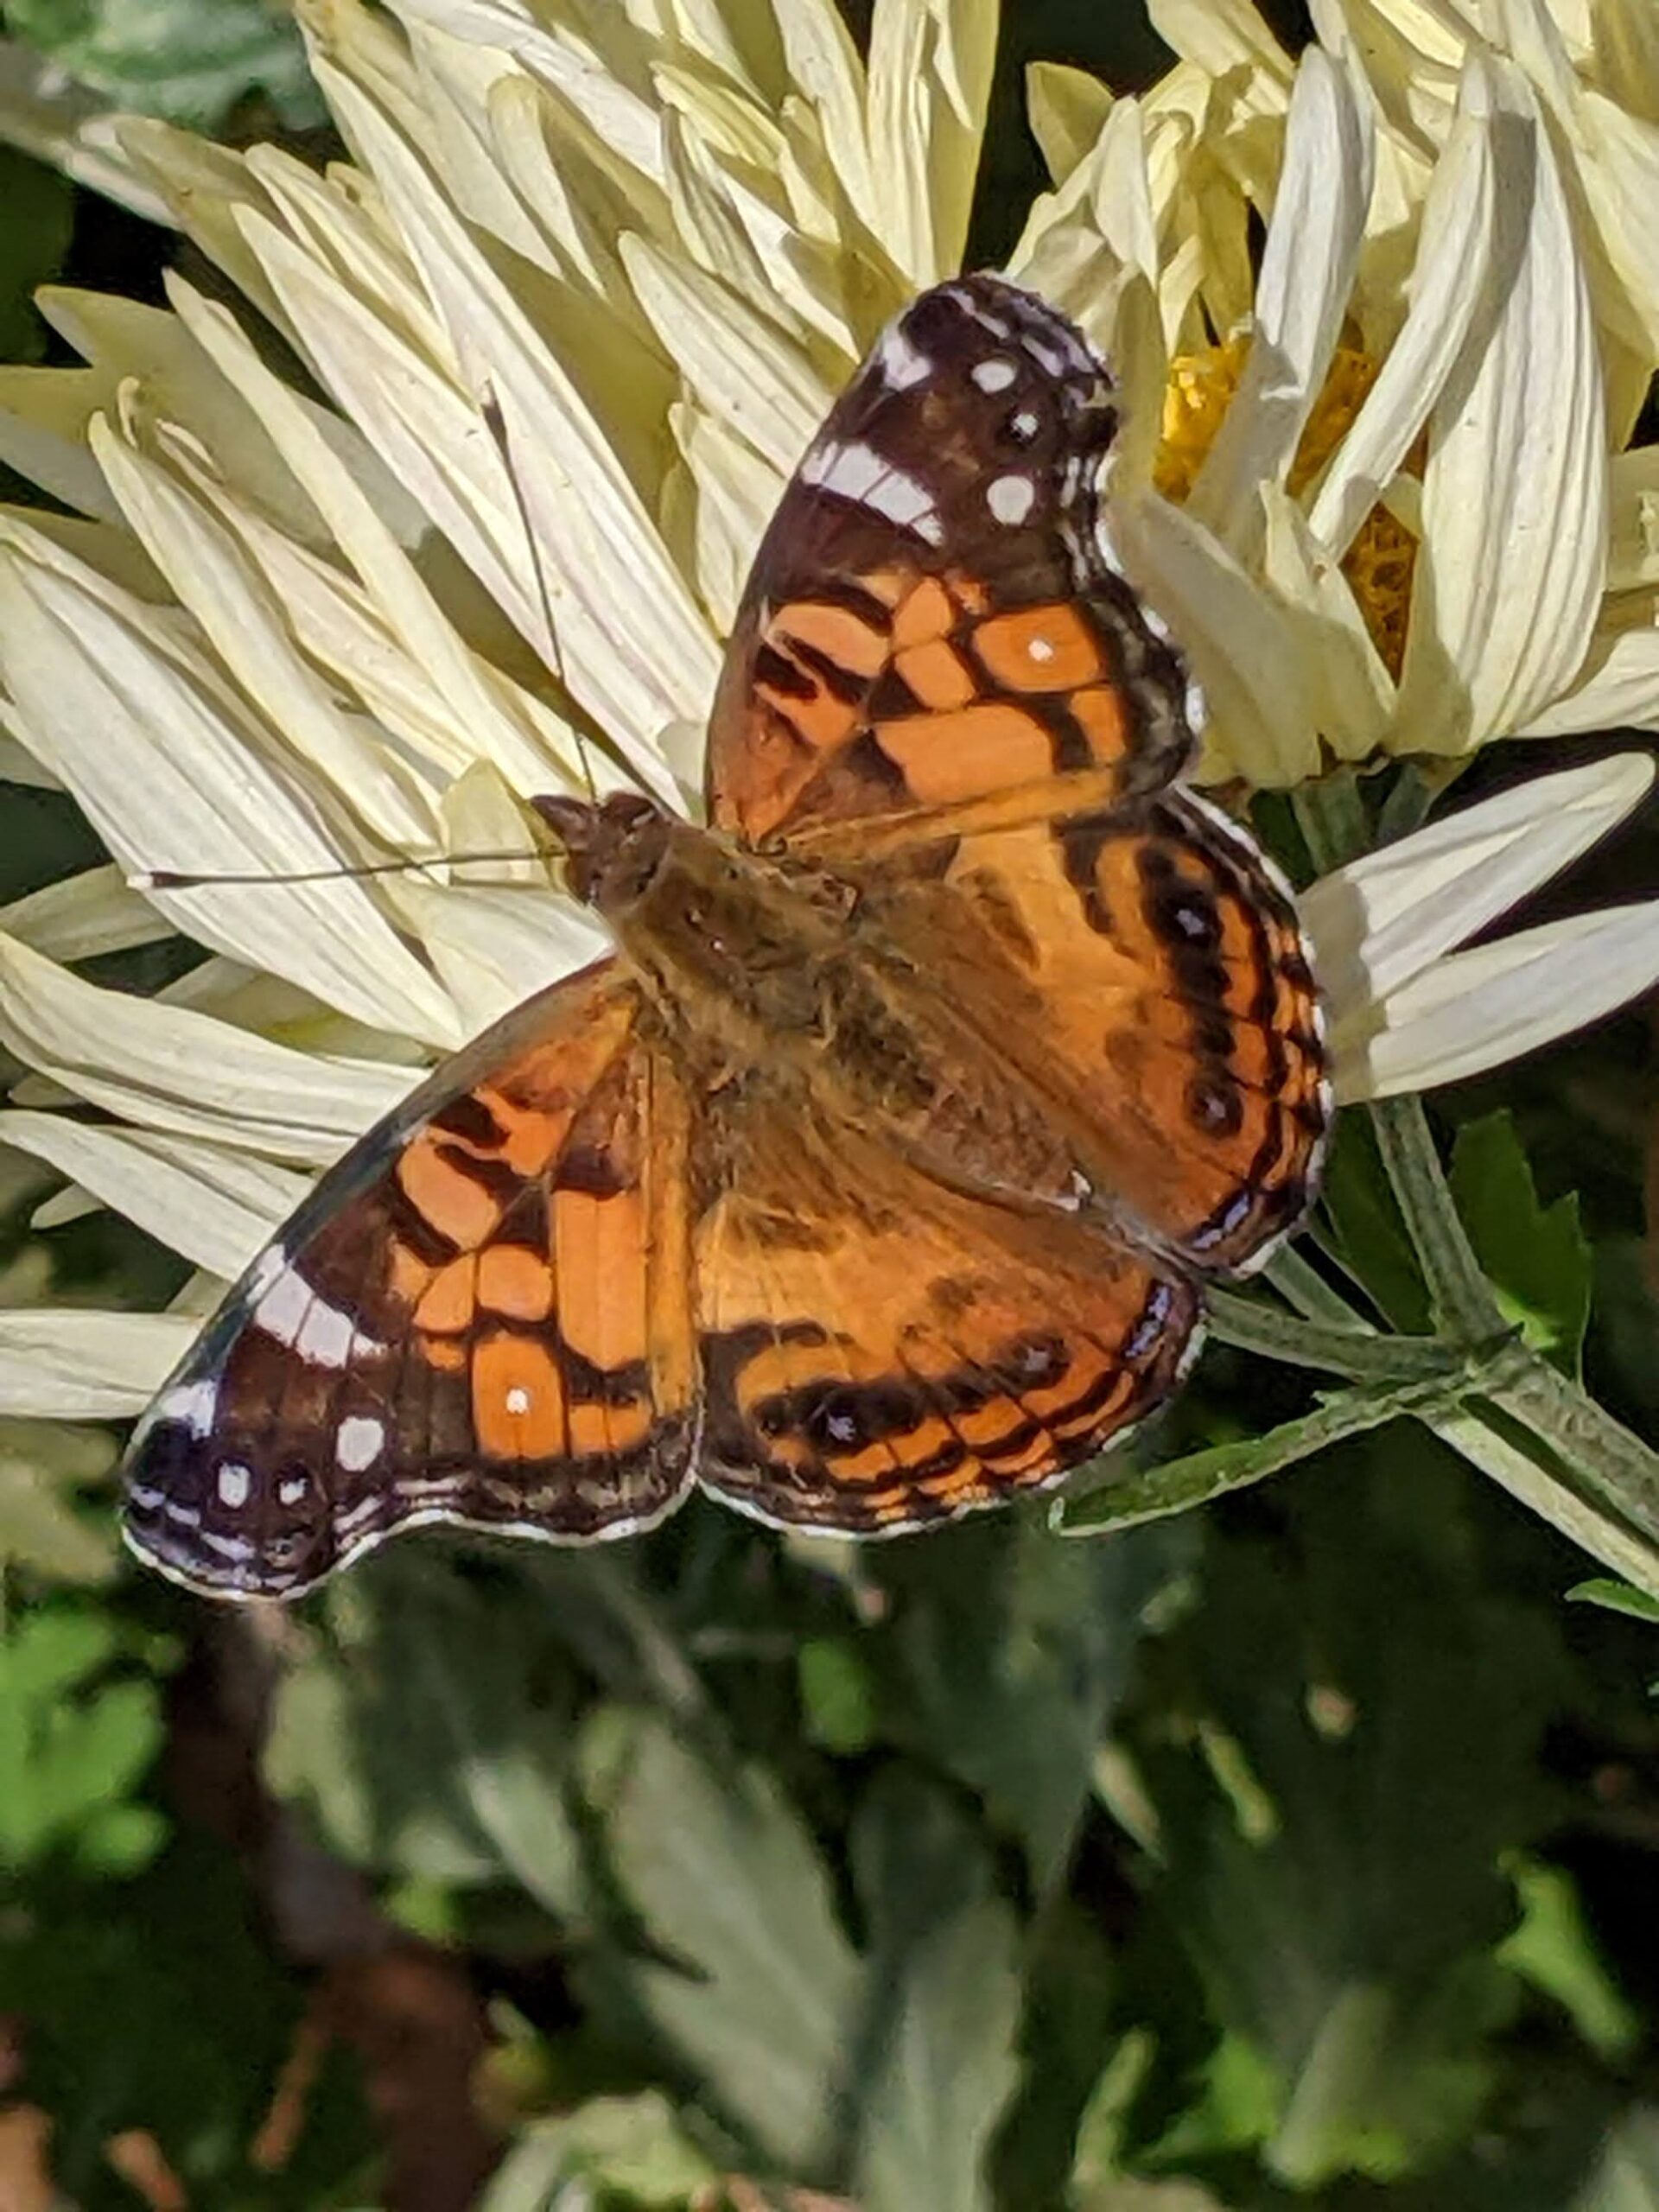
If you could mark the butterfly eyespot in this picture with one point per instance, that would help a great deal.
(1215, 1106)
(1024, 424)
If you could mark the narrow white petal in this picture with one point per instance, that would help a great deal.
(1308, 274)
(175, 772)
(1350, 687)
(1510, 571)
(1480, 1009)
(1067, 110)
(1261, 720)
(635, 646)
(739, 363)
(81, 916)
(215, 1206)
(165, 1067)
(930, 77)
(1449, 282)
(73, 1363)
(1618, 686)
(495, 945)
(483, 722)
(824, 62)
(1387, 918)
(238, 617)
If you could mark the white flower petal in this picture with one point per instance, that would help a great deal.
(1617, 688)
(81, 916)
(1349, 690)
(1067, 110)
(633, 645)
(1234, 638)
(71, 1363)
(215, 1206)
(1479, 1009)
(496, 945)
(930, 77)
(1515, 494)
(221, 588)
(1386, 918)
(474, 698)
(739, 366)
(1449, 284)
(164, 1067)
(175, 774)
(1307, 272)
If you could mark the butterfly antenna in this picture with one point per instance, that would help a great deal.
(172, 879)
(498, 429)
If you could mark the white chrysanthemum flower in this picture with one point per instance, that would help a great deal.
(1390, 511)
(576, 307)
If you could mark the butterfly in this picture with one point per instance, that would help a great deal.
(877, 1175)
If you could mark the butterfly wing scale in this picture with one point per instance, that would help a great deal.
(481, 1315)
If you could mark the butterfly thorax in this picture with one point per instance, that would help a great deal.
(768, 967)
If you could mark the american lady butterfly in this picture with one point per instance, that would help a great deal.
(876, 1176)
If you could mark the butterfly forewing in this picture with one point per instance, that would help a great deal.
(481, 1315)
(932, 616)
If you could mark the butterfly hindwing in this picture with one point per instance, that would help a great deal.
(931, 615)
(881, 1353)
(481, 1315)
(1144, 966)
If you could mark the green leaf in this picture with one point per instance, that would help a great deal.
(1356, 1737)
(837, 1695)
(937, 2061)
(633, 2145)
(175, 58)
(1536, 1257)
(1555, 1950)
(73, 1745)
(1615, 1597)
(763, 1987)
(1013, 1651)
(428, 1740)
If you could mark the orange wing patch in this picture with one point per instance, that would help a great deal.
(880, 1354)
(482, 1315)
(1145, 968)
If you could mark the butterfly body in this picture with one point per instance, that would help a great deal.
(876, 1175)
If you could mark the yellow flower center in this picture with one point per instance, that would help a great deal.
(1378, 564)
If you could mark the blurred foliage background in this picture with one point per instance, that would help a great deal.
(1303, 1854)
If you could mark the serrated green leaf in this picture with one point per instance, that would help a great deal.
(937, 2061)
(1014, 1650)
(175, 58)
(723, 1872)
(1536, 1257)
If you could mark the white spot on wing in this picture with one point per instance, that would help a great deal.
(191, 1404)
(358, 1443)
(855, 470)
(288, 1309)
(1025, 424)
(902, 364)
(518, 1399)
(292, 1491)
(235, 1484)
(1011, 499)
(1041, 648)
(994, 373)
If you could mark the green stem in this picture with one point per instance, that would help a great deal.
(1460, 1293)
(1351, 1350)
